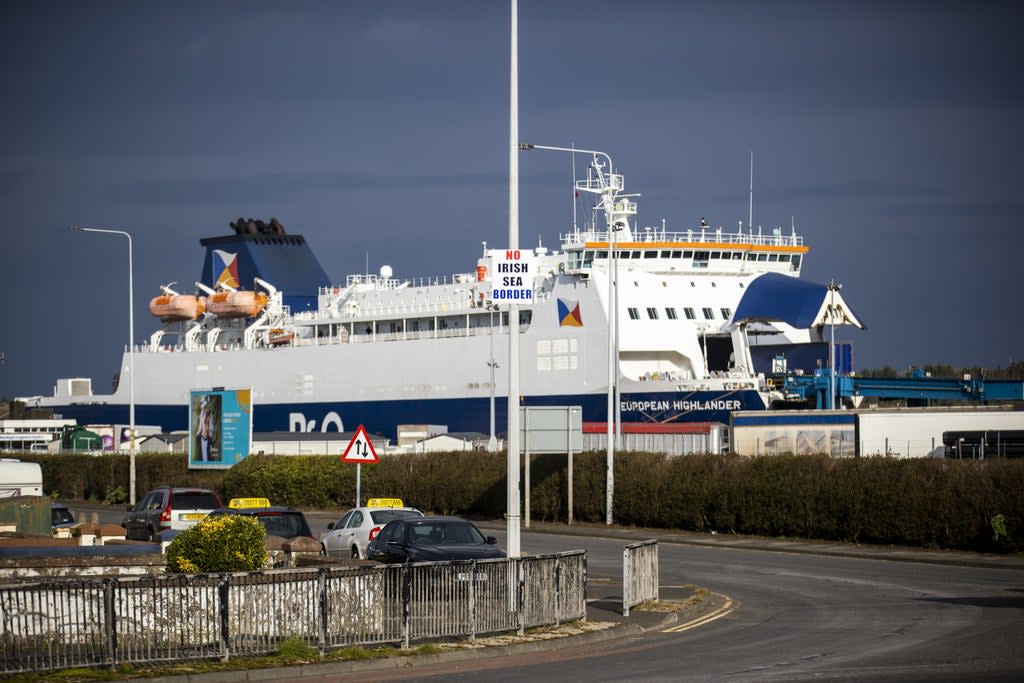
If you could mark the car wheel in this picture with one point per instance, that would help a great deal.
(355, 552)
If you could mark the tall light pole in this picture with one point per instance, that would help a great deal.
(131, 358)
(512, 491)
(492, 443)
(613, 314)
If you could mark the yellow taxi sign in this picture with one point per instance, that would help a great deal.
(249, 503)
(385, 503)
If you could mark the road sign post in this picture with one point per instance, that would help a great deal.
(360, 449)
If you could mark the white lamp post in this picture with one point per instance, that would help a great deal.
(131, 356)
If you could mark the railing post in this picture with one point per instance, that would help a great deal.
(322, 589)
(406, 597)
(472, 602)
(520, 593)
(223, 596)
(558, 592)
(627, 582)
(110, 620)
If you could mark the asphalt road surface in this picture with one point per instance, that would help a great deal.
(793, 617)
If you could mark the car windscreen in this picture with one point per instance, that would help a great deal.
(285, 525)
(61, 516)
(194, 501)
(444, 533)
(381, 517)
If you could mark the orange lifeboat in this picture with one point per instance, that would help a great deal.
(236, 304)
(175, 307)
(279, 337)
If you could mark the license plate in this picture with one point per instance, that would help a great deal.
(468, 576)
(192, 515)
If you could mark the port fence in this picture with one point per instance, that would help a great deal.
(639, 574)
(108, 621)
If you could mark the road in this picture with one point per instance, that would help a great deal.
(795, 617)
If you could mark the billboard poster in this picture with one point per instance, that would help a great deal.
(219, 427)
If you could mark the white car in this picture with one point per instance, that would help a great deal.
(349, 535)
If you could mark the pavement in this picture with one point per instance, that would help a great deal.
(606, 612)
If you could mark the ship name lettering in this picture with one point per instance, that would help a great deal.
(682, 405)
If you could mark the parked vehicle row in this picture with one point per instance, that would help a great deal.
(384, 530)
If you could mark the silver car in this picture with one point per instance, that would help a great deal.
(349, 535)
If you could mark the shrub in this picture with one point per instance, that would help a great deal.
(231, 543)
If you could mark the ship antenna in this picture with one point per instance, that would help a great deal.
(750, 210)
(575, 227)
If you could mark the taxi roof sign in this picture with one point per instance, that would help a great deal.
(239, 503)
(385, 503)
(360, 449)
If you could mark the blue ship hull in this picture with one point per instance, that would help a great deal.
(460, 415)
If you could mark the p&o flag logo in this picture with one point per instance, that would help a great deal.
(569, 313)
(226, 264)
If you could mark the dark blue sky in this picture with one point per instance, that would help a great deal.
(890, 132)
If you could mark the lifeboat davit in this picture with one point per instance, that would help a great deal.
(175, 307)
(236, 304)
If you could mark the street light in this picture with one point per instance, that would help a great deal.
(613, 316)
(131, 357)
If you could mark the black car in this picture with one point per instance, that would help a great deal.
(168, 508)
(432, 539)
(61, 516)
(277, 520)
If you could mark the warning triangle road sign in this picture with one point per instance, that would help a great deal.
(360, 449)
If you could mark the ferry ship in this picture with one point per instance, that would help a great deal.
(702, 314)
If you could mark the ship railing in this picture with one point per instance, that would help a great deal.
(698, 236)
(448, 333)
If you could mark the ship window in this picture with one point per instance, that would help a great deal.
(670, 313)
(652, 313)
(726, 313)
(773, 257)
(679, 254)
(600, 254)
(737, 256)
(688, 253)
(634, 313)
(637, 254)
(784, 258)
(666, 254)
(692, 283)
(690, 314)
(714, 284)
(415, 325)
(709, 313)
(622, 254)
(650, 254)
(716, 254)
(796, 261)
(762, 257)
(751, 257)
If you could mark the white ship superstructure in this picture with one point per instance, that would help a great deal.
(384, 350)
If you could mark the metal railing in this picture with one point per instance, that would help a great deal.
(639, 574)
(98, 621)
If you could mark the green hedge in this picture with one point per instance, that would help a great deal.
(939, 503)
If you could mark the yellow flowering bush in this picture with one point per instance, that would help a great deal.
(228, 543)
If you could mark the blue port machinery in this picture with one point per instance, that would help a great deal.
(916, 390)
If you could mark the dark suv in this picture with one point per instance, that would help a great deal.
(168, 508)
